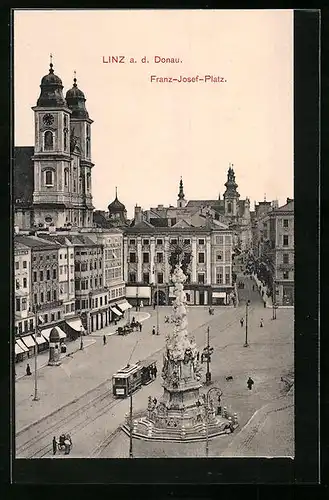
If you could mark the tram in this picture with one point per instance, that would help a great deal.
(131, 378)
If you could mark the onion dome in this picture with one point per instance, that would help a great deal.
(75, 99)
(116, 205)
(51, 90)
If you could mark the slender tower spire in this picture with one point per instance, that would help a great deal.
(181, 194)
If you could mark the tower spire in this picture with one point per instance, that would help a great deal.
(181, 194)
(74, 78)
(116, 192)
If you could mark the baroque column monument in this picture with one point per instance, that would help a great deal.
(182, 414)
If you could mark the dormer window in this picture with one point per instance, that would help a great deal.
(48, 141)
(49, 178)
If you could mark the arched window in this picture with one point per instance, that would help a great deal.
(65, 140)
(80, 184)
(49, 178)
(66, 177)
(49, 140)
(88, 147)
(88, 182)
(229, 207)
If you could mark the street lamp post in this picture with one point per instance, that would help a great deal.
(207, 413)
(36, 397)
(208, 374)
(81, 340)
(246, 340)
(273, 300)
(131, 427)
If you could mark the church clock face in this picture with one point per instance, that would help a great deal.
(48, 119)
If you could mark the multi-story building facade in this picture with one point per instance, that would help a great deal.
(277, 251)
(147, 267)
(24, 319)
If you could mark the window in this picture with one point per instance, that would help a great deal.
(229, 207)
(24, 283)
(201, 241)
(35, 298)
(146, 242)
(42, 299)
(54, 274)
(159, 257)
(285, 258)
(17, 284)
(41, 275)
(49, 178)
(227, 255)
(227, 240)
(132, 242)
(285, 240)
(88, 147)
(201, 279)
(173, 242)
(285, 223)
(201, 258)
(96, 282)
(227, 275)
(159, 242)
(48, 296)
(146, 278)
(31, 324)
(52, 317)
(219, 276)
(96, 302)
(219, 256)
(48, 140)
(59, 315)
(19, 327)
(48, 274)
(173, 221)
(25, 326)
(132, 257)
(187, 242)
(72, 307)
(146, 257)
(219, 240)
(188, 297)
(16, 265)
(132, 277)
(101, 301)
(55, 295)
(160, 278)
(24, 264)
(66, 177)
(18, 305)
(285, 275)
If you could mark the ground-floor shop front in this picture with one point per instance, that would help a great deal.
(101, 318)
(284, 292)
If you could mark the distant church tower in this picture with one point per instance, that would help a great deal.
(231, 196)
(62, 164)
(181, 202)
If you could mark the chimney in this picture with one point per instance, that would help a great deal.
(289, 200)
(138, 214)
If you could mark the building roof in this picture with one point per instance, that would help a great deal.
(173, 230)
(204, 203)
(36, 242)
(23, 175)
(288, 207)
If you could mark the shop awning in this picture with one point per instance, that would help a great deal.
(40, 339)
(46, 333)
(28, 341)
(124, 305)
(219, 295)
(18, 350)
(140, 292)
(116, 311)
(75, 324)
(21, 345)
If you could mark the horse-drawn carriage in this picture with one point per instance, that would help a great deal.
(128, 328)
(65, 443)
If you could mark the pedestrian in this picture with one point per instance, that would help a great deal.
(253, 288)
(198, 356)
(133, 320)
(140, 327)
(54, 445)
(202, 358)
(141, 304)
(261, 324)
(264, 303)
(153, 305)
(153, 330)
(155, 401)
(250, 383)
(104, 339)
(241, 322)
(155, 371)
(115, 322)
(28, 370)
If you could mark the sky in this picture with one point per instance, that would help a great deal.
(147, 134)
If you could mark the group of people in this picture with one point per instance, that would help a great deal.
(153, 371)
(64, 441)
(155, 332)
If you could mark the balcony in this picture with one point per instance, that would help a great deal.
(50, 305)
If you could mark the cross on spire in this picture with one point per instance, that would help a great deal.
(51, 58)
(116, 191)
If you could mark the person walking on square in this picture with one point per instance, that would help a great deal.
(153, 330)
(140, 327)
(155, 371)
(241, 322)
(198, 356)
(54, 445)
(250, 383)
(261, 324)
(104, 339)
(28, 370)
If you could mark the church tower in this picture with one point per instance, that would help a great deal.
(61, 195)
(231, 196)
(181, 202)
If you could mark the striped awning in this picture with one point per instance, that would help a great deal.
(124, 305)
(40, 339)
(18, 350)
(28, 341)
(116, 311)
(22, 345)
(75, 324)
